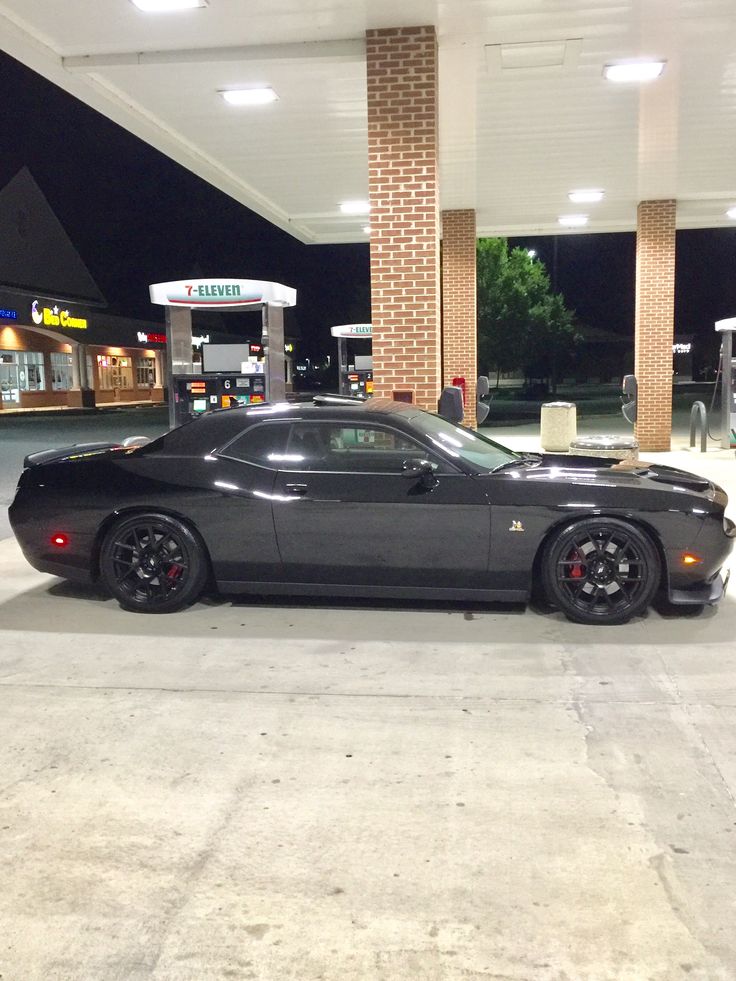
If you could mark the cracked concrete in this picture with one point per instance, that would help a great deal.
(279, 790)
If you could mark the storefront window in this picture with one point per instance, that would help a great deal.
(30, 371)
(145, 372)
(9, 385)
(61, 372)
(114, 371)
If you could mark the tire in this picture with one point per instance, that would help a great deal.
(152, 563)
(601, 570)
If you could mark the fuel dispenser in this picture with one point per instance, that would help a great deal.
(726, 329)
(193, 393)
(355, 370)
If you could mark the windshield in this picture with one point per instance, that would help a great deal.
(461, 443)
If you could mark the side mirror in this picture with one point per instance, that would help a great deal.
(483, 399)
(417, 469)
(629, 393)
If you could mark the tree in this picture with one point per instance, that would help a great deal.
(521, 322)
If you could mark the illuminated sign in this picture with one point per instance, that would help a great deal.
(9, 314)
(200, 339)
(682, 348)
(211, 294)
(221, 293)
(54, 317)
(145, 338)
(256, 348)
(352, 330)
(288, 348)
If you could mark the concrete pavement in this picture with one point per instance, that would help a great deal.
(282, 790)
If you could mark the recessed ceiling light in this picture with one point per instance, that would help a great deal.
(355, 207)
(167, 6)
(731, 213)
(367, 228)
(249, 97)
(634, 71)
(585, 196)
(573, 221)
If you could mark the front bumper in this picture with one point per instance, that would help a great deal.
(704, 594)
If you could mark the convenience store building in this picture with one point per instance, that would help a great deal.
(58, 345)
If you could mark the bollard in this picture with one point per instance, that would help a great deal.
(699, 415)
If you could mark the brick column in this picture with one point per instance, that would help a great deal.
(403, 191)
(655, 305)
(459, 322)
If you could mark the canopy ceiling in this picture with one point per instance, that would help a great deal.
(525, 113)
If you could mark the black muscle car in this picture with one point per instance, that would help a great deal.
(375, 498)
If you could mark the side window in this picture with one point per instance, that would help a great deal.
(263, 444)
(346, 448)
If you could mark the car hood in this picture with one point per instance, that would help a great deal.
(599, 471)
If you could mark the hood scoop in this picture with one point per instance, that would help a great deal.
(680, 479)
(663, 475)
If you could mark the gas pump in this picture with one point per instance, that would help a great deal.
(355, 371)
(190, 393)
(726, 329)
(195, 394)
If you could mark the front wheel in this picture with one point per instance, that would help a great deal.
(152, 563)
(602, 570)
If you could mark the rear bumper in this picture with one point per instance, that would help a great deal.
(75, 573)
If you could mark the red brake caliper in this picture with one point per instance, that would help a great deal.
(576, 571)
(174, 571)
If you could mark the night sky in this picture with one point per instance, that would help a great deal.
(136, 217)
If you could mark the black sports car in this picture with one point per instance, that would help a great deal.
(376, 498)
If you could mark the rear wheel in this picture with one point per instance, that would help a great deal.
(152, 563)
(602, 570)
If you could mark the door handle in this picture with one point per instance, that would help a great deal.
(296, 490)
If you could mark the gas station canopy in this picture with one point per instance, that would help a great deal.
(526, 114)
(352, 330)
(222, 294)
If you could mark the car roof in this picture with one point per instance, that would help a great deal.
(331, 406)
(215, 428)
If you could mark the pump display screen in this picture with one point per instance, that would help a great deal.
(199, 405)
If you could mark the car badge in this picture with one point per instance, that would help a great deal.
(516, 526)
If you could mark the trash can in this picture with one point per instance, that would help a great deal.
(615, 447)
(559, 426)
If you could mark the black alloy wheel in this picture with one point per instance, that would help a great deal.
(152, 563)
(602, 570)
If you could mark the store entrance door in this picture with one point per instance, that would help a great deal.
(9, 388)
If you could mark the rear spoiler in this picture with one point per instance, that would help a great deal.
(68, 453)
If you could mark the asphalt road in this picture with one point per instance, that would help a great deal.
(23, 434)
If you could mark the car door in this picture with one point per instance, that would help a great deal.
(240, 523)
(345, 513)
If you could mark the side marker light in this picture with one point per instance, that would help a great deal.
(60, 540)
(688, 558)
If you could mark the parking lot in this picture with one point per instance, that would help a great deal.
(271, 789)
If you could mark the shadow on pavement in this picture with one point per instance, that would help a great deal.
(58, 607)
